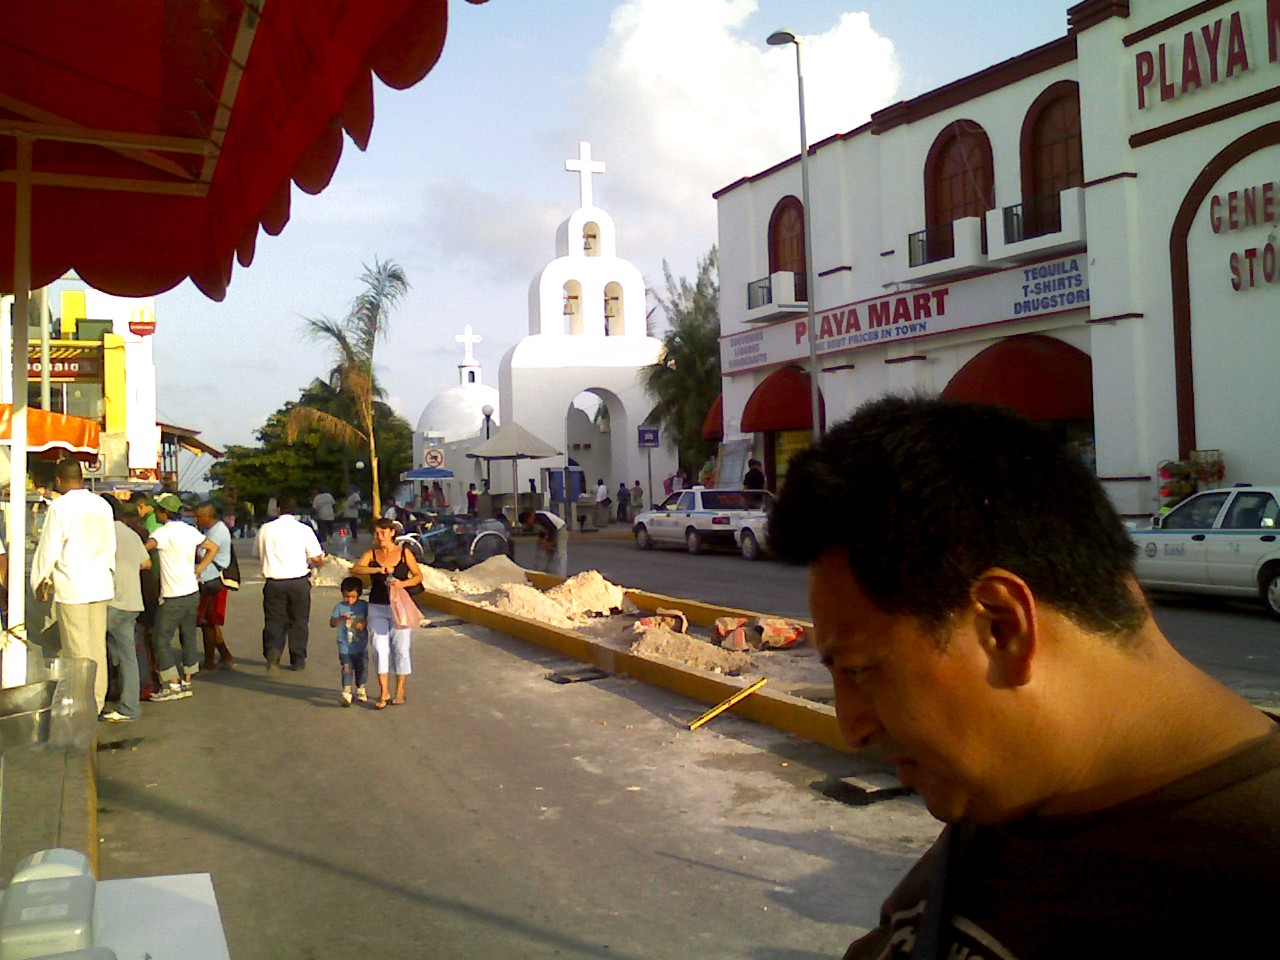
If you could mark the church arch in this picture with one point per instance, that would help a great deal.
(615, 314)
(573, 308)
(591, 238)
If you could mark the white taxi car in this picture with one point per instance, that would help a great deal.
(699, 517)
(1220, 542)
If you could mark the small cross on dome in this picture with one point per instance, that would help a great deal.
(584, 166)
(468, 340)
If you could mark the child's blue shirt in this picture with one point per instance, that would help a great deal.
(350, 640)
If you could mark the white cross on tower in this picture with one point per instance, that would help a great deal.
(585, 167)
(468, 340)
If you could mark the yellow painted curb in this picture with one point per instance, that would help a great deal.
(804, 718)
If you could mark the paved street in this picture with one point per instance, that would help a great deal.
(495, 814)
(1234, 641)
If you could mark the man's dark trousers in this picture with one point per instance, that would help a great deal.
(286, 609)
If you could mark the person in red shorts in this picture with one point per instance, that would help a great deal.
(212, 612)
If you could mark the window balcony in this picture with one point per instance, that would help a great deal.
(946, 249)
(1037, 228)
(773, 297)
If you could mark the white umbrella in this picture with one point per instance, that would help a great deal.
(513, 442)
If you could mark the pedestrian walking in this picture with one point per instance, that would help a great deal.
(289, 550)
(602, 504)
(553, 540)
(211, 613)
(754, 479)
(637, 500)
(185, 553)
(624, 502)
(322, 510)
(351, 616)
(74, 563)
(122, 613)
(385, 564)
(351, 510)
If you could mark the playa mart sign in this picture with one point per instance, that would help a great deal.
(1035, 290)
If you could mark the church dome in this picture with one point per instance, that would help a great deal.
(456, 413)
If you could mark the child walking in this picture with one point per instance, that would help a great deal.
(351, 617)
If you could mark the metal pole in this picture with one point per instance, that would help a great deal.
(41, 299)
(649, 454)
(13, 661)
(810, 281)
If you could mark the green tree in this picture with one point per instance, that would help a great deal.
(685, 380)
(278, 465)
(351, 379)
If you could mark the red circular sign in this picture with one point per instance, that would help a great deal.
(433, 458)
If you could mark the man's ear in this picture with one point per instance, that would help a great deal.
(1004, 610)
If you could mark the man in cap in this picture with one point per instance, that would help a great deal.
(76, 554)
(289, 551)
(211, 613)
(973, 597)
(184, 553)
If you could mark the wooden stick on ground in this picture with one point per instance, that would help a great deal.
(726, 704)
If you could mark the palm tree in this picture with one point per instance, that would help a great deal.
(685, 380)
(353, 340)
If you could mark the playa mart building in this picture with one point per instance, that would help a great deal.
(1086, 233)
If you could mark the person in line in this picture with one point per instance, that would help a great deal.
(973, 596)
(322, 509)
(211, 613)
(122, 612)
(637, 500)
(144, 524)
(273, 508)
(473, 500)
(289, 551)
(351, 616)
(602, 504)
(553, 540)
(351, 510)
(754, 480)
(624, 501)
(76, 559)
(178, 545)
(383, 564)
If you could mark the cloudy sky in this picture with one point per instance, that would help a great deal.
(464, 183)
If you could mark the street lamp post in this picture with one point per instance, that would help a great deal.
(488, 464)
(776, 39)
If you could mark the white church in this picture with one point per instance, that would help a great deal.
(587, 335)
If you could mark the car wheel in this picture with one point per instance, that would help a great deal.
(488, 545)
(750, 546)
(693, 541)
(1269, 585)
(643, 540)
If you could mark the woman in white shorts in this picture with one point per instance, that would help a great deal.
(385, 563)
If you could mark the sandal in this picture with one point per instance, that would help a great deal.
(381, 705)
(397, 701)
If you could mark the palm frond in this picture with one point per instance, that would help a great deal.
(302, 418)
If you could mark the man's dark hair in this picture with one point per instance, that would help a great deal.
(208, 505)
(525, 516)
(924, 495)
(288, 504)
(68, 469)
(351, 583)
(114, 504)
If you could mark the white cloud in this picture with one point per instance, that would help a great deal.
(683, 100)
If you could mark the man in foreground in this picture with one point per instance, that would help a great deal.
(76, 559)
(973, 597)
(289, 551)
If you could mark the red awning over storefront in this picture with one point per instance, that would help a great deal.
(713, 425)
(53, 433)
(782, 402)
(1040, 377)
(161, 134)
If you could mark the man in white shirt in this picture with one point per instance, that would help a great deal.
(288, 550)
(553, 540)
(322, 507)
(176, 544)
(351, 511)
(77, 555)
(602, 503)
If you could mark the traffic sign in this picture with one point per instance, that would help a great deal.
(648, 436)
(433, 458)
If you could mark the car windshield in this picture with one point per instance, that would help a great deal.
(1196, 514)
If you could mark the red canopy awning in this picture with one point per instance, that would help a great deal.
(782, 402)
(165, 132)
(1040, 377)
(55, 434)
(713, 425)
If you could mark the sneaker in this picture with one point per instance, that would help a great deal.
(273, 664)
(346, 698)
(115, 716)
(361, 696)
(172, 691)
(186, 688)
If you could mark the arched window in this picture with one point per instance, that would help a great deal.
(573, 308)
(959, 181)
(614, 315)
(1052, 160)
(786, 243)
(591, 239)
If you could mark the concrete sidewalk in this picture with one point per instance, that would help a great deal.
(495, 814)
